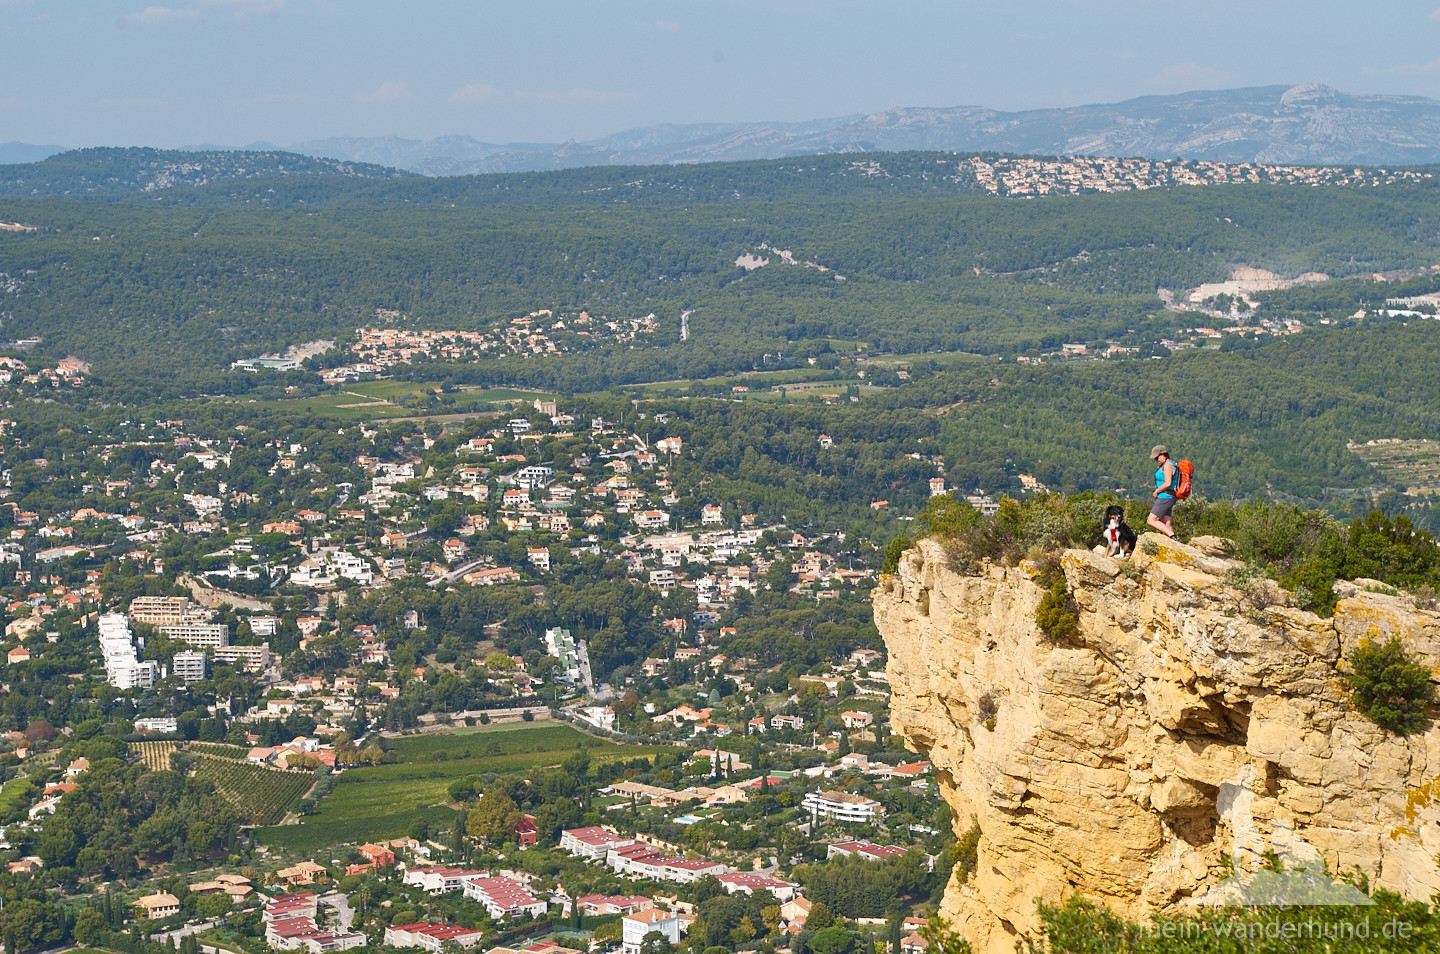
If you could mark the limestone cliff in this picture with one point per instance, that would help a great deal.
(1188, 720)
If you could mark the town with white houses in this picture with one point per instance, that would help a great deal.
(539, 333)
(539, 647)
(1030, 177)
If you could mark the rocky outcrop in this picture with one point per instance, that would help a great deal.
(1189, 720)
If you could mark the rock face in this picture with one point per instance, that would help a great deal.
(1188, 720)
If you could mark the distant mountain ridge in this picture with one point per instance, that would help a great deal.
(1307, 124)
(125, 171)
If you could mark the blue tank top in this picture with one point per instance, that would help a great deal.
(1160, 482)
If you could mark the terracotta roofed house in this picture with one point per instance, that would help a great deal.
(431, 936)
(634, 927)
(914, 944)
(748, 882)
(593, 842)
(795, 911)
(599, 905)
(503, 898)
(377, 855)
(306, 872)
(439, 879)
(156, 906)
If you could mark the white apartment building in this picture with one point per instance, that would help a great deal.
(439, 879)
(592, 842)
(431, 937)
(634, 927)
(154, 610)
(643, 861)
(139, 675)
(212, 635)
(123, 666)
(325, 568)
(251, 658)
(534, 477)
(503, 898)
(748, 882)
(561, 645)
(190, 666)
(264, 625)
(842, 806)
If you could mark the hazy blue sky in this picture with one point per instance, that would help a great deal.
(97, 72)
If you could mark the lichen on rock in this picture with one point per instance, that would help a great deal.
(1116, 763)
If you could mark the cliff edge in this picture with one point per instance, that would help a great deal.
(1189, 721)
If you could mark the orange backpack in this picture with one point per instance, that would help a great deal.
(1186, 471)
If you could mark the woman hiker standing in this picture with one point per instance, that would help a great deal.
(1167, 479)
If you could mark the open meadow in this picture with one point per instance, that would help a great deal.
(384, 800)
(382, 400)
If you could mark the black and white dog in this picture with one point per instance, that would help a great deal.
(1119, 538)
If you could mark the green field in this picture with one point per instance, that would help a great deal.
(372, 400)
(944, 360)
(15, 795)
(386, 390)
(756, 380)
(501, 395)
(382, 801)
(505, 739)
(321, 831)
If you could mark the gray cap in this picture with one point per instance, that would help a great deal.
(1157, 450)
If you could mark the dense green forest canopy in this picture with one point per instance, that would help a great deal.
(160, 290)
(1274, 420)
(120, 171)
(185, 280)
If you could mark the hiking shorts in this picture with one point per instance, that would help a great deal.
(1163, 506)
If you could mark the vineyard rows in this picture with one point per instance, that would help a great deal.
(155, 755)
(219, 750)
(261, 796)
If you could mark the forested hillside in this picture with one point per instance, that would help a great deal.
(144, 284)
(891, 254)
(113, 171)
(1272, 420)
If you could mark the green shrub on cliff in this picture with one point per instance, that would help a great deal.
(1057, 615)
(1020, 529)
(967, 852)
(893, 551)
(1306, 551)
(1390, 686)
